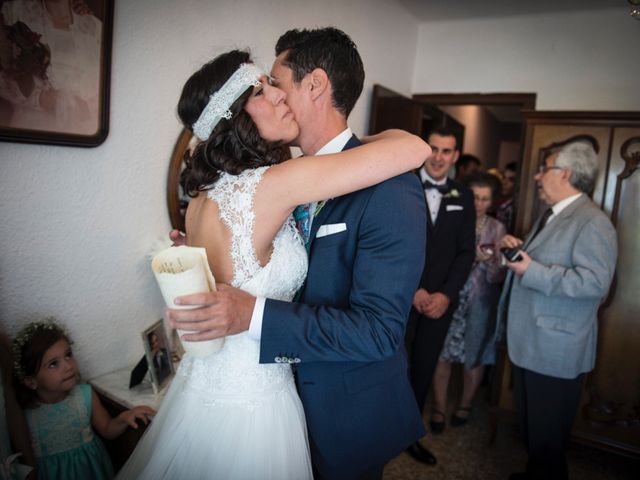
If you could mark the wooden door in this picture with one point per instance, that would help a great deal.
(393, 110)
(390, 109)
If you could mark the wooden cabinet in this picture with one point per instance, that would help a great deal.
(609, 415)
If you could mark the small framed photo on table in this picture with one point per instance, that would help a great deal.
(158, 355)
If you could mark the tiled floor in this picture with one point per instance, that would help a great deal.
(464, 453)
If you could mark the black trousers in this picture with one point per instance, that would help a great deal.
(546, 408)
(425, 338)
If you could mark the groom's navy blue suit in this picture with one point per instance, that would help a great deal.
(346, 335)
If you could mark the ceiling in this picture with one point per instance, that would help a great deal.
(433, 10)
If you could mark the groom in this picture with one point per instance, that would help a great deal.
(366, 252)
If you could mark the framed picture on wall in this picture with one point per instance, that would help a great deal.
(156, 348)
(55, 62)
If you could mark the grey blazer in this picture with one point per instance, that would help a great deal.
(552, 308)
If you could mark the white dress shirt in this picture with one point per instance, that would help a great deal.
(335, 145)
(561, 205)
(433, 196)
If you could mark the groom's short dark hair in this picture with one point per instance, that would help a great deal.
(331, 50)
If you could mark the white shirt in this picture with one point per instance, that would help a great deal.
(561, 205)
(335, 145)
(433, 196)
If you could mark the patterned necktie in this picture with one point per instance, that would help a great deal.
(303, 221)
(302, 217)
(443, 189)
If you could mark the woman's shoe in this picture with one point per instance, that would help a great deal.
(437, 427)
(457, 420)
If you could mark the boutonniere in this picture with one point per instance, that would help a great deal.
(453, 193)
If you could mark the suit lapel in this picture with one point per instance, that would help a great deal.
(556, 223)
(320, 218)
(429, 221)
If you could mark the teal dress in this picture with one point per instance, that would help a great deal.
(64, 442)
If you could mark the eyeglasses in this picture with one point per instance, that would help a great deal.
(546, 168)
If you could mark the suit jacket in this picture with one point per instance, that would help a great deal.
(346, 335)
(450, 244)
(551, 311)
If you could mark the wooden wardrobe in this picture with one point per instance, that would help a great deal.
(609, 414)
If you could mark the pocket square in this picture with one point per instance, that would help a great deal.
(330, 229)
(452, 208)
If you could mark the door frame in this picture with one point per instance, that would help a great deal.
(526, 100)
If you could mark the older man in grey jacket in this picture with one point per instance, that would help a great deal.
(550, 302)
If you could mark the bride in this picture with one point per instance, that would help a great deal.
(226, 416)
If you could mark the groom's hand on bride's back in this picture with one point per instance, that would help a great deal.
(218, 314)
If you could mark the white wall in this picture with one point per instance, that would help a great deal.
(573, 61)
(480, 133)
(78, 224)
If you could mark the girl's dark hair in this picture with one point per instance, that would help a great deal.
(234, 144)
(333, 51)
(29, 347)
(482, 179)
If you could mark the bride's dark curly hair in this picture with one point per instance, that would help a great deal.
(234, 144)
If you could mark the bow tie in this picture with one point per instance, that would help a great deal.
(427, 185)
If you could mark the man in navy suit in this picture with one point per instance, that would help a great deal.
(366, 251)
(450, 249)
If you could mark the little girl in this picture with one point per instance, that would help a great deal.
(60, 412)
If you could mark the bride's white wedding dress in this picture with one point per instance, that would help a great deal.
(226, 416)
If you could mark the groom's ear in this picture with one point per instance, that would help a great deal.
(318, 83)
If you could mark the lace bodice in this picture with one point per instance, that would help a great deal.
(234, 373)
(63, 426)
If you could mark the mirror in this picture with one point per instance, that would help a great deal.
(176, 201)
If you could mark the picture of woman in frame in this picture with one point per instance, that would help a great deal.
(50, 66)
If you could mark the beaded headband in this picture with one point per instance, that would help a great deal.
(220, 102)
(25, 336)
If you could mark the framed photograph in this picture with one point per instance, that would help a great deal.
(55, 63)
(156, 348)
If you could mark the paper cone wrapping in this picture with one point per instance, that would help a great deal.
(181, 271)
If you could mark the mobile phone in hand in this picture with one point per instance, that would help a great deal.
(511, 254)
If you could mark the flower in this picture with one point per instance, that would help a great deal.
(453, 193)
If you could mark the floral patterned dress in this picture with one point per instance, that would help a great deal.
(470, 336)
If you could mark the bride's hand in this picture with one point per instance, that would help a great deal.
(177, 237)
(225, 312)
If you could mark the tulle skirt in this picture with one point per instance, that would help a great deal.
(195, 436)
